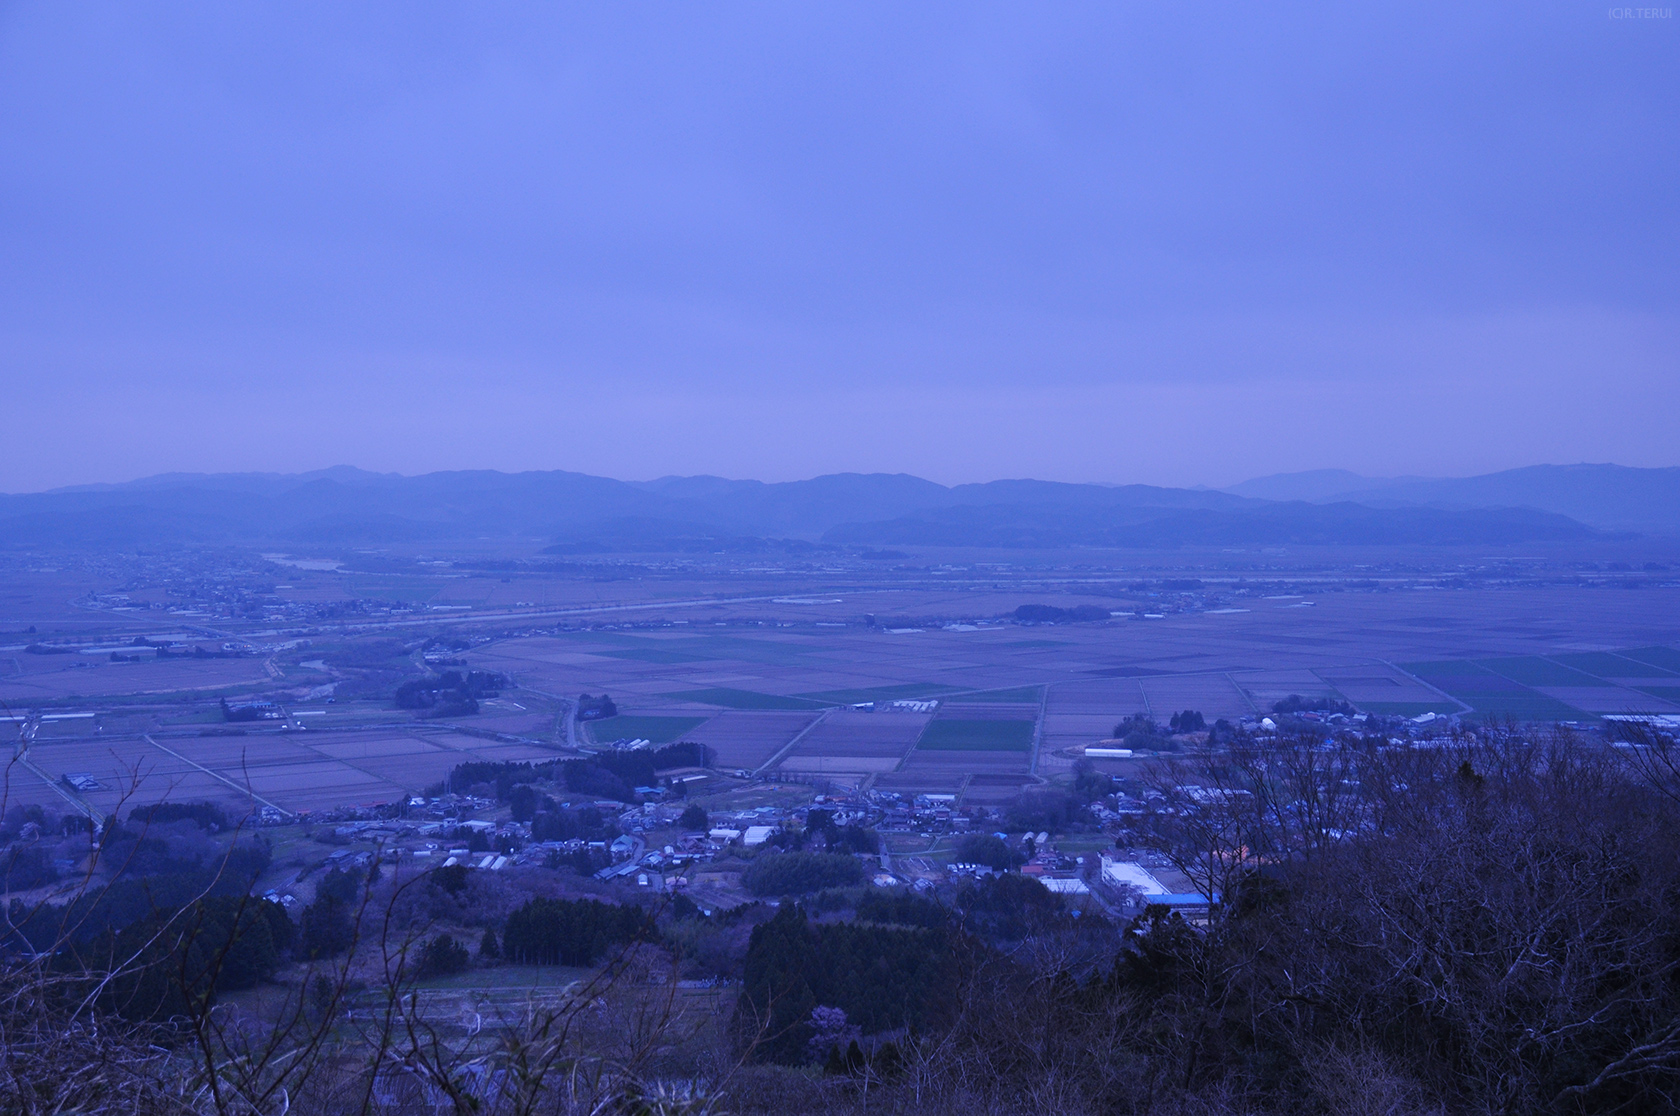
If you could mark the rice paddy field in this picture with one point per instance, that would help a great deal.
(1564, 687)
(295, 772)
(1010, 697)
(769, 665)
(34, 679)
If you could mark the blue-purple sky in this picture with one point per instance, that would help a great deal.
(1119, 242)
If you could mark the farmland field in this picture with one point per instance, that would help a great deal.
(294, 771)
(742, 699)
(906, 691)
(749, 739)
(1605, 665)
(953, 735)
(1533, 670)
(1492, 696)
(1665, 658)
(57, 678)
(761, 660)
(1605, 699)
(1547, 688)
(847, 732)
(1014, 695)
(659, 730)
(1213, 695)
(961, 709)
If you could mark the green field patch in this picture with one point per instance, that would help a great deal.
(1606, 665)
(1667, 693)
(977, 736)
(1503, 696)
(1532, 670)
(1665, 657)
(652, 655)
(1409, 708)
(743, 699)
(1019, 695)
(1520, 705)
(660, 730)
(1038, 643)
(880, 693)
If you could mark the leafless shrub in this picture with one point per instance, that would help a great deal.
(1486, 925)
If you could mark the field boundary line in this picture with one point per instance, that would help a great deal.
(1038, 733)
(92, 811)
(326, 759)
(781, 754)
(218, 776)
(1424, 682)
(1242, 692)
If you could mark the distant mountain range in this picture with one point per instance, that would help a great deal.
(1608, 497)
(577, 513)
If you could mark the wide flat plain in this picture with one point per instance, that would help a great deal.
(57, 678)
(747, 661)
(1343, 646)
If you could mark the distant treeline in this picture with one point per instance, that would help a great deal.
(592, 708)
(200, 653)
(205, 815)
(1295, 703)
(613, 775)
(1050, 614)
(451, 693)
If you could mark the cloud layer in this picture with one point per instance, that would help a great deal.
(1091, 242)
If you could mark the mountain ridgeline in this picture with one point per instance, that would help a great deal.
(580, 514)
(1608, 497)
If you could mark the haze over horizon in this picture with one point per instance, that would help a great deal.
(1088, 244)
(1244, 482)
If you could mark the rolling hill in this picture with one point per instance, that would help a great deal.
(578, 513)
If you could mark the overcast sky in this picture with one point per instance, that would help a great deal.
(1175, 244)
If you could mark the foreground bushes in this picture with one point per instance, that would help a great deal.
(883, 978)
(1492, 926)
(799, 873)
(568, 931)
(1485, 927)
